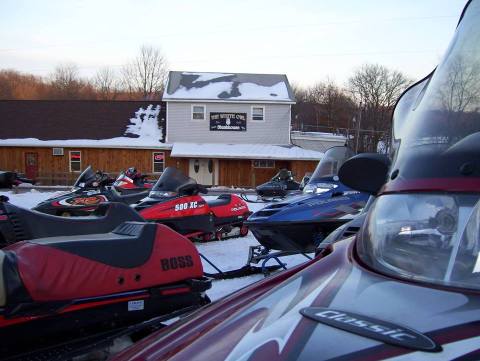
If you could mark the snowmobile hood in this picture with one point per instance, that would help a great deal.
(336, 202)
(332, 308)
(436, 132)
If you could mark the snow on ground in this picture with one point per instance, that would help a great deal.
(226, 255)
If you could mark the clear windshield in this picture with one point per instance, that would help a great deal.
(86, 178)
(437, 122)
(172, 181)
(283, 175)
(428, 237)
(330, 163)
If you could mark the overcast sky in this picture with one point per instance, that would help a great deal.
(309, 40)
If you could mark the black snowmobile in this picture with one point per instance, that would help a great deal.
(279, 186)
(20, 224)
(9, 179)
(89, 191)
(61, 291)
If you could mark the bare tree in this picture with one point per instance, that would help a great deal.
(460, 89)
(65, 82)
(106, 84)
(146, 75)
(323, 107)
(376, 89)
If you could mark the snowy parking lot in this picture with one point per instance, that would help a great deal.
(227, 255)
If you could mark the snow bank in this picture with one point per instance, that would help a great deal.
(243, 151)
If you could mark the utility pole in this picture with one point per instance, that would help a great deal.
(357, 136)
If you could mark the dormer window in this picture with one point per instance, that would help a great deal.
(258, 114)
(198, 112)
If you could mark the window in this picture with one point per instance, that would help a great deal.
(158, 162)
(57, 151)
(263, 163)
(75, 161)
(198, 112)
(258, 114)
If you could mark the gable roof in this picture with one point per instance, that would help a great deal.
(185, 86)
(82, 123)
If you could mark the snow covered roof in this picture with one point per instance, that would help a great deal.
(115, 124)
(317, 136)
(188, 86)
(243, 151)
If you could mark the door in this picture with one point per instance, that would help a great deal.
(31, 165)
(202, 170)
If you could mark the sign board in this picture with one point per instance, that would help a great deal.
(236, 122)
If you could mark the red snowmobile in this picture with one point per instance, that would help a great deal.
(64, 289)
(175, 202)
(132, 181)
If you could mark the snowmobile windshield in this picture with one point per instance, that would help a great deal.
(327, 170)
(86, 178)
(436, 123)
(283, 175)
(428, 237)
(173, 182)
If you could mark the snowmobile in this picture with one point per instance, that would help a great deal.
(60, 289)
(19, 224)
(280, 185)
(131, 181)
(406, 286)
(175, 201)
(89, 191)
(10, 179)
(300, 223)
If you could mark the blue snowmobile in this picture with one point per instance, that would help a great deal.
(298, 224)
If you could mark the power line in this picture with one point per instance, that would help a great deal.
(223, 31)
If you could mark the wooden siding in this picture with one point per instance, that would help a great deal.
(55, 169)
(241, 173)
(181, 127)
(108, 160)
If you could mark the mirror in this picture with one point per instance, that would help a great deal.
(365, 172)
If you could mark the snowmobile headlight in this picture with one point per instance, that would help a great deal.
(162, 194)
(432, 238)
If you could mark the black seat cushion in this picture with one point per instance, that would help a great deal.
(32, 224)
(129, 245)
(222, 200)
(128, 198)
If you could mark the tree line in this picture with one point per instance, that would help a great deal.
(142, 78)
(360, 109)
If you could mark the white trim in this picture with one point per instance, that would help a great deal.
(239, 156)
(166, 123)
(70, 160)
(153, 162)
(251, 113)
(228, 101)
(204, 112)
(290, 125)
(62, 145)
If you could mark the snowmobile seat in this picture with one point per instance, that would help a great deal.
(33, 224)
(135, 256)
(222, 200)
(128, 198)
(127, 246)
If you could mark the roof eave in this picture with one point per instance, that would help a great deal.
(248, 101)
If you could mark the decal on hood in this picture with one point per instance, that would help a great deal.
(372, 328)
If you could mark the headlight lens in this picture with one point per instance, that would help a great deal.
(427, 237)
